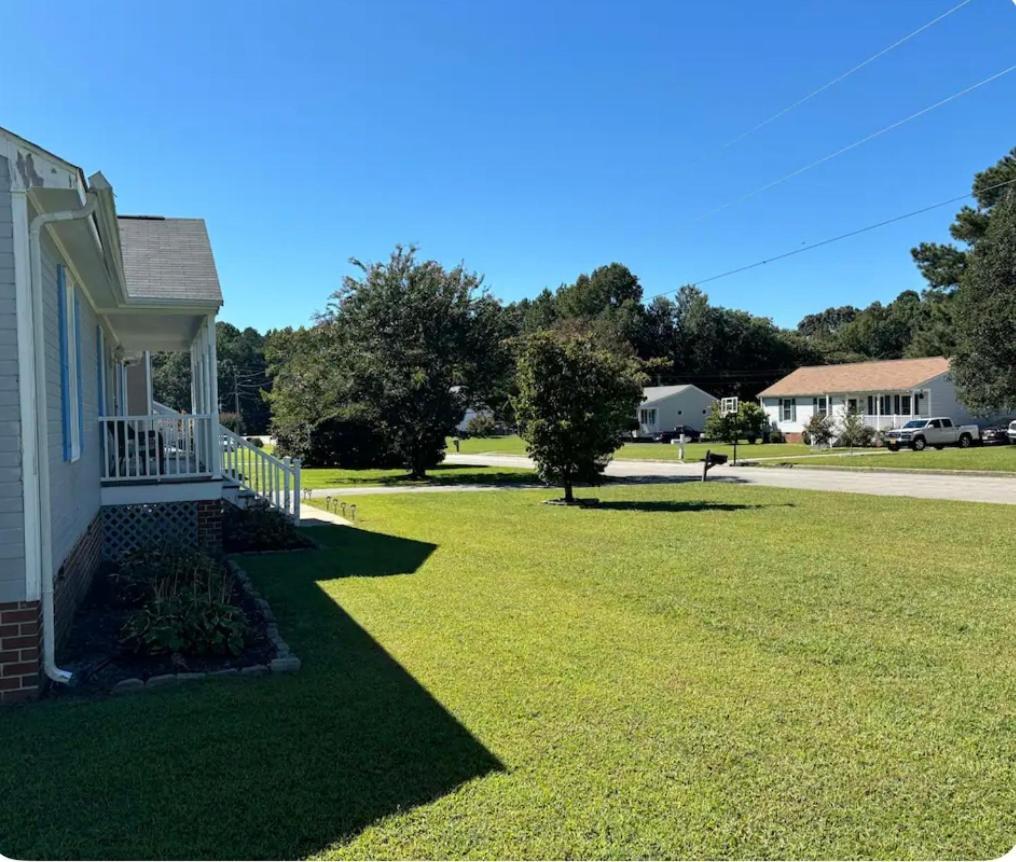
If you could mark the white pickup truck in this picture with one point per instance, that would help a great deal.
(938, 431)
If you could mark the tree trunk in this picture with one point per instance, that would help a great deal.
(568, 496)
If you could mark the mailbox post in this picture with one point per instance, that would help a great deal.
(711, 460)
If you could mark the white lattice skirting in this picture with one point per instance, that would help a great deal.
(138, 525)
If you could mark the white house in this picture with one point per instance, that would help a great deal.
(665, 407)
(90, 464)
(886, 394)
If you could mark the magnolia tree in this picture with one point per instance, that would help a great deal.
(573, 403)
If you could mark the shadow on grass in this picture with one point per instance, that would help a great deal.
(279, 767)
(678, 506)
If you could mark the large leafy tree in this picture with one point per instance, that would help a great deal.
(412, 340)
(984, 365)
(573, 403)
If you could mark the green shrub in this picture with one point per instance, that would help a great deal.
(482, 425)
(183, 599)
(855, 433)
(188, 618)
(259, 527)
(256, 442)
(141, 573)
(819, 430)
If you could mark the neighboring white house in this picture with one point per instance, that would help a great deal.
(663, 408)
(886, 394)
(90, 464)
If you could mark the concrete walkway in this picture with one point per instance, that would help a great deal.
(974, 489)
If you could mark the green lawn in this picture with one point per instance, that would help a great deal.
(513, 445)
(688, 671)
(992, 459)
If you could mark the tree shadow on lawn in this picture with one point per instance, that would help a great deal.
(679, 506)
(443, 474)
(278, 767)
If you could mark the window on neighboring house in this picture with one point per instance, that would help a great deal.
(788, 409)
(819, 405)
(647, 416)
(851, 405)
(72, 417)
(887, 405)
(905, 404)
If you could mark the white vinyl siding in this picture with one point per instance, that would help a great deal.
(74, 485)
(12, 518)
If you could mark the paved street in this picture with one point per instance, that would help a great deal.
(977, 489)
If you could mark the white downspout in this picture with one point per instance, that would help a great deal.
(42, 436)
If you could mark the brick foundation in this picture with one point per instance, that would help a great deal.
(20, 650)
(210, 525)
(793, 437)
(74, 577)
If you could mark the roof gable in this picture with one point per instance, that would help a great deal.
(169, 259)
(889, 374)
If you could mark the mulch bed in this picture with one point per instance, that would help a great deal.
(92, 650)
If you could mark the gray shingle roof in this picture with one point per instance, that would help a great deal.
(657, 393)
(168, 258)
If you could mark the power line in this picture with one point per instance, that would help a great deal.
(858, 143)
(837, 238)
(844, 75)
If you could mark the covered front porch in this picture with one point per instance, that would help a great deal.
(143, 441)
(152, 453)
(884, 411)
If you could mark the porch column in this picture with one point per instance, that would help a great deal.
(150, 409)
(213, 397)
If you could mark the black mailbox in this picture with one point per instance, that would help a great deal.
(711, 460)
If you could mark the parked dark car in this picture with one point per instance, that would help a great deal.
(996, 435)
(690, 435)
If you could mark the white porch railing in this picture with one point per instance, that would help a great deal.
(276, 480)
(886, 422)
(148, 448)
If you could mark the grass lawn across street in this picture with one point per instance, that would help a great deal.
(989, 459)
(686, 671)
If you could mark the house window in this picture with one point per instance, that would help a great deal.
(851, 405)
(647, 415)
(871, 405)
(905, 405)
(820, 405)
(72, 418)
(886, 404)
(788, 409)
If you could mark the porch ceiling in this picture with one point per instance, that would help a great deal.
(156, 329)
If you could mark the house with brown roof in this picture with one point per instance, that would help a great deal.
(885, 393)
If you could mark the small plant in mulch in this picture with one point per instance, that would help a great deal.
(259, 527)
(182, 600)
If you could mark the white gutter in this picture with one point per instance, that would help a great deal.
(41, 429)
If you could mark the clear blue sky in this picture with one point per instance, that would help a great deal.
(533, 140)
